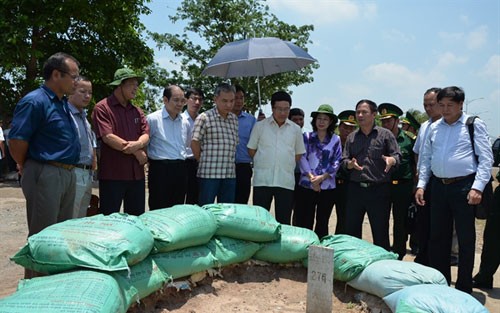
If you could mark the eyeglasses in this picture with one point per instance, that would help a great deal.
(194, 98)
(73, 77)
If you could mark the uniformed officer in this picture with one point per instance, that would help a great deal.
(347, 124)
(409, 123)
(402, 179)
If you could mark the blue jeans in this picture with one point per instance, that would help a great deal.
(222, 188)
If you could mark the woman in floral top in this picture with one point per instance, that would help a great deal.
(318, 167)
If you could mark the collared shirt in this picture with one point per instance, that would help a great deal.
(44, 121)
(189, 152)
(368, 151)
(320, 158)
(245, 125)
(419, 143)
(168, 138)
(1, 140)
(128, 123)
(274, 160)
(218, 138)
(448, 153)
(406, 169)
(85, 134)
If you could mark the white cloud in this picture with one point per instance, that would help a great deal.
(398, 36)
(448, 59)
(477, 38)
(393, 75)
(491, 70)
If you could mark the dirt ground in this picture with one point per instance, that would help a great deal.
(239, 288)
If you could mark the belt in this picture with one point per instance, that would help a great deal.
(340, 181)
(68, 167)
(84, 166)
(191, 160)
(399, 181)
(367, 184)
(168, 161)
(447, 181)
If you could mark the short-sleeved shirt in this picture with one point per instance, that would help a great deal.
(189, 152)
(85, 135)
(245, 125)
(368, 151)
(168, 138)
(218, 138)
(127, 122)
(2, 139)
(45, 122)
(274, 160)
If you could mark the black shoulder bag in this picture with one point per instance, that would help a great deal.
(482, 209)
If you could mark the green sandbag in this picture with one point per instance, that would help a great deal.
(246, 222)
(75, 292)
(142, 280)
(102, 242)
(352, 255)
(179, 227)
(292, 245)
(185, 262)
(228, 251)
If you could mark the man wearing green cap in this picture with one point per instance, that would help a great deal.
(410, 124)
(402, 178)
(123, 133)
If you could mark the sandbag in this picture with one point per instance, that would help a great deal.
(179, 227)
(102, 242)
(433, 298)
(292, 245)
(352, 255)
(384, 277)
(245, 222)
(142, 280)
(75, 292)
(228, 251)
(185, 262)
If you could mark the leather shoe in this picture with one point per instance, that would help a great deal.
(482, 285)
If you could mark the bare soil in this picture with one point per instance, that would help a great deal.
(239, 288)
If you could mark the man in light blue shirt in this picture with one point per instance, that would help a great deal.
(244, 170)
(170, 135)
(87, 163)
(448, 160)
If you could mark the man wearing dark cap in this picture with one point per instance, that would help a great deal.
(347, 124)
(123, 133)
(401, 179)
(410, 124)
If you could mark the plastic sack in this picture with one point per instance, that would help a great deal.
(75, 292)
(246, 222)
(228, 251)
(352, 255)
(142, 280)
(109, 243)
(433, 298)
(179, 227)
(292, 245)
(185, 262)
(384, 277)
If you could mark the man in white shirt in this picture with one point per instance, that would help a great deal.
(2, 152)
(275, 145)
(170, 135)
(458, 180)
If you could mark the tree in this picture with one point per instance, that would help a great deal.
(217, 22)
(102, 35)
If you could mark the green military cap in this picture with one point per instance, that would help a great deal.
(348, 117)
(325, 109)
(412, 121)
(125, 73)
(388, 110)
(404, 120)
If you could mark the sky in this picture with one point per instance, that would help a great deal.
(385, 51)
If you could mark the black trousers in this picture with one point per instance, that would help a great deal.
(244, 174)
(401, 196)
(374, 201)
(193, 189)
(131, 192)
(167, 183)
(283, 198)
(449, 205)
(423, 227)
(340, 199)
(311, 206)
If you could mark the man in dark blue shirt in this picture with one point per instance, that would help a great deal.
(44, 142)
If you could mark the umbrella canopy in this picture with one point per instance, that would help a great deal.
(257, 57)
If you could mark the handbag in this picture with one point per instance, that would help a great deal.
(481, 210)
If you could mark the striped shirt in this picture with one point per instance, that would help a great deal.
(218, 138)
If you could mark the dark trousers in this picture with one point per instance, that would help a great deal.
(311, 204)
(167, 183)
(283, 198)
(374, 201)
(244, 174)
(423, 227)
(449, 205)
(193, 190)
(340, 199)
(131, 192)
(490, 256)
(401, 196)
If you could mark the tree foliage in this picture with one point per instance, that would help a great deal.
(102, 35)
(210, 24)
